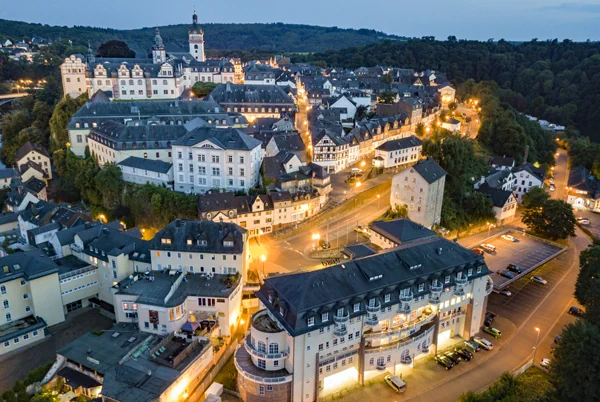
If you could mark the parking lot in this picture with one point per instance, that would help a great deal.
(526, 253)
(594, 218)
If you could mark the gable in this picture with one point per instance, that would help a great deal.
(207, 144)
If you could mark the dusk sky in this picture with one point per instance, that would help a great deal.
(482, 19)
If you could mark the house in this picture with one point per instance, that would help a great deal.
(213, 158)
(498, 179)
(389, 234)
(451, 125)
(345, 104)
(6, 176)
(253, 101)
(526, 176)
(330, 151)
(34, 153)
(502, 162)
(395, 153)
(36, 187)
(286, 142)
(259, 74)
(582, 190)
(504, 203)
(31, 169)
(384, 312)
(421, 188)
(447, 93)
(142, 171)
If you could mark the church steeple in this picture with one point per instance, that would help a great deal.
(90, 54)
(195, 18)
(196, 39)
(159, 54)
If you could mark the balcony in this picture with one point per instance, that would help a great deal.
(340, 330)
(489, 286)
(374, 308)
(434, 298)
(380, 366)
(461, 281)
(404, 308)
(406, 297)
(406, 327)
(341, 319)
(262, 355)
(246, 368)
(407, 360)
(418, 336)
(371, 320)
(459, 291)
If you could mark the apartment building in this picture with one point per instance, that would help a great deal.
(216, 158)
(399, 152)
(253, 101)
(389, 234)
(31, 156)
(325, 330)
(421, 188)
(330, 151)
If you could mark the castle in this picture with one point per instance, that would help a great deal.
(165, 76)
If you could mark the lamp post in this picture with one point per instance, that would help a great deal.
(378, 201)
(536, 343)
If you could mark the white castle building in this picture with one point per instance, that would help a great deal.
(165, 76)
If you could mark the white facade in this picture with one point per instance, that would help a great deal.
(398, 157)
(143, 176)
(523, 182)
(331, 153)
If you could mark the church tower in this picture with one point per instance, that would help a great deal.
(159, 54)
(196, 39)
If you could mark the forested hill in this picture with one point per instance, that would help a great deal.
(269, 37)
(557, 81)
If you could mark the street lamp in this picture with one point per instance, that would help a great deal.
(358, 184)
(378, 200)
(263, 258)
(536, 343)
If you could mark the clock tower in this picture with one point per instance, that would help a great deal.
(196, 39)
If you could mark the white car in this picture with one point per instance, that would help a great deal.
(484, 343)
(509, 238)
(545, 363)
(552, 188)
(583, 221)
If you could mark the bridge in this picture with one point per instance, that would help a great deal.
(11, 97)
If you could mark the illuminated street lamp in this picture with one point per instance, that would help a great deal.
(536, 343)
(378, 200)
(263, 258)
(363, 163)
(316, 236)
(358, 184)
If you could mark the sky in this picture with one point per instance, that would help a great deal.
(468, 19)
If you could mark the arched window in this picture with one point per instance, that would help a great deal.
(195, 46)
(273, 348)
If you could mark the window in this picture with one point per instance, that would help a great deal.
(16, 340)
(25, 296)
(216, 171)
(387, 298)
(356, 307)
(3, 289)
(262, 364)
(273, 348)
(447, 279)
(6, 304)
(311, 321)
(215, 159)
(325, 317)
(6, 344)
(242, 172)
(27, 309)
(230, 159)
(8, 317)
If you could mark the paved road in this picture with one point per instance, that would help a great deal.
(561, 175)
(548, 315)
(471, 129)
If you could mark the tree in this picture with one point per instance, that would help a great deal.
(587, 287)
(115, 48)
(361, 112)
(63, 111)
(535, 198)
(420, 130)
(387, 79)
(203, 89)
(575, 371)
(110, 184)
(387, 97)
(553, 220)
(399, 211)
(452, 106)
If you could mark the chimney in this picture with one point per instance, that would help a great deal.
(526, 154)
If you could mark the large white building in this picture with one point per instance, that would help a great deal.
(399, 152)
(421, 189)
(213, 158)
(325, 330)
(164, 76)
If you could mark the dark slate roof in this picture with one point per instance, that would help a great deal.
(307, 294)
(401, 230)
(28, 265)
(239, 93)
(34, 185)
(99, 97)
(291, 142)
(496, 178)
(498, 196)
(502, 161)
(8, 217)
(358, 250)
(225, 138)
(214, 233)
(580, 178)
(28, 147)
(32, 165)
(103, 241)
(429, 170)
(146, 164)
(532, 170)
(146, 136)
(8, 173)
(400, 143)
(44, 229)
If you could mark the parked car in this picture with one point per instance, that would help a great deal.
(506, 292)
(484, 343)
(396, 383)
(576, 311)
(478, 250)
(514, 268)
(509, 238)
(539, 279)
(545, 363)
(583, 221)
(324, 245)
(506, 274)
(472, 346)
(444, 361)
(496, 333)
(354, 172)
(464, 353)
(489, 319)
(452, 355)
(488, 247)
(551, 180)
(557, 339)
(552, 188)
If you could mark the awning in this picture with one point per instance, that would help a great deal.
(190, 327)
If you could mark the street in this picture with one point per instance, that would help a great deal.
(469, 129)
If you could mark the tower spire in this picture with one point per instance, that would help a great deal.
(90, 54)
(158, 42)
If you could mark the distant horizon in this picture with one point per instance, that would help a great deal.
(512, 20)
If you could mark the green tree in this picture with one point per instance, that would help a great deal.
(63, 111)
(575, 371)
(110, 184)
(387, 97)
(553, 220)
(587, 287)
(361, 112)
(115, 48)
(387, 79)
(452, 106)
(203, 89)
(399, 211)
(420, 130)
(535, 198)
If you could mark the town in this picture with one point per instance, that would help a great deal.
(181, 226)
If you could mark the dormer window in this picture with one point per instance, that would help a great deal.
(325, 317)
(202, 242)
(470, 272)
(447, 279)
(189, 242)
(311, 321)
(387, 298)
(228, 243)
(165, 241)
